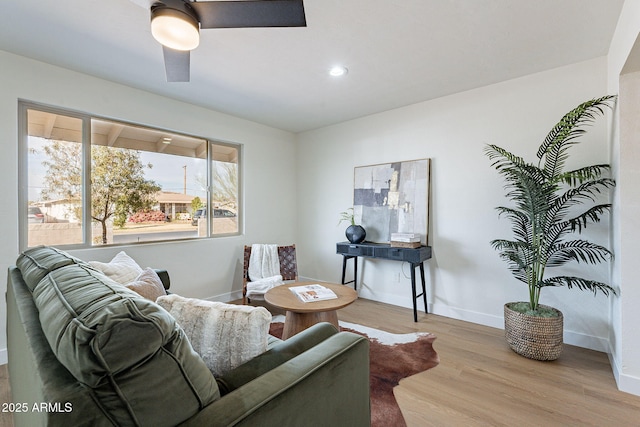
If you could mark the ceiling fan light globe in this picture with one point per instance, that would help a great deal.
(175, 30)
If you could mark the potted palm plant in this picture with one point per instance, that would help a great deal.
(551, 204)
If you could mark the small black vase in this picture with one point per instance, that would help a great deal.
(355, 234)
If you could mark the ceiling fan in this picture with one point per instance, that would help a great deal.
(176, 24)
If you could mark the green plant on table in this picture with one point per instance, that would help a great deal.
(550, 207)
(348, 216)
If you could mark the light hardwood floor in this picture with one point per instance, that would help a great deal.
(481, 382)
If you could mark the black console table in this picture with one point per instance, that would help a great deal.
(414, 256)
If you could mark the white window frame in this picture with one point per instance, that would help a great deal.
(23, 176)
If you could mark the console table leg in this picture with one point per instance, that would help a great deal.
(355, 273)
(344, 267)
(345, 258)
(413, 291)
(424, 289)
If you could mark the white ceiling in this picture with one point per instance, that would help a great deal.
(398, 52)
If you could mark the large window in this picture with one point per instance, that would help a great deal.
(90, 181)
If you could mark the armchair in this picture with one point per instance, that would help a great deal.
(288, 266)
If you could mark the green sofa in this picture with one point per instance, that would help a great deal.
(84, 350)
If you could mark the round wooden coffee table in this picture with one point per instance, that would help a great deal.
(301, 315)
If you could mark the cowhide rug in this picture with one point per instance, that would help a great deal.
(392, 358)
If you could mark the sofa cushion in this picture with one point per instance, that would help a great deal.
(148, 285)
(128, 350)
(37, 262)
(225, 335)
(121, 269)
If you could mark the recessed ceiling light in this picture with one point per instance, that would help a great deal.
(338, 70)
(166, 140)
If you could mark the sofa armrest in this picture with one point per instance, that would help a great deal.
(276, 356)
(164, 277)
(326, 385)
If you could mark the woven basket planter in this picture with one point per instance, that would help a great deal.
(538, 338)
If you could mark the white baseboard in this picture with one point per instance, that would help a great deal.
(586, 341)
(468, 316)
(627, 383)
(570, 337)
(392, 299)
(229, 296)
(4, 356)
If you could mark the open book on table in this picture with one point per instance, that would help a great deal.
(314, 292)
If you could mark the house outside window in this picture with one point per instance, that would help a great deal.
(88, 181)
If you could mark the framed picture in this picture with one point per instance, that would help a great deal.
(392, 198)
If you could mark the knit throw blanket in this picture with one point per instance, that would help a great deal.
(264, 270)
(224, 335)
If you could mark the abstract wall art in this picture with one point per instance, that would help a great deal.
(392, 198)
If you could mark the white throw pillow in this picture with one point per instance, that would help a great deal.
(148, 284)
(121, 269)
(224, 335)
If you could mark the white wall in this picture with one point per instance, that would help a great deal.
(624, 77)
(466, 278)
(208, 268)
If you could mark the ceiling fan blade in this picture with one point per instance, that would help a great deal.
(244, 14)
(176, 64)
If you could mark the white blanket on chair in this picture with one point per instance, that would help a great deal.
(264, 270)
